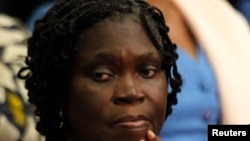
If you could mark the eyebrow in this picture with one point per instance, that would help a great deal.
(150, 56)
(103, 58)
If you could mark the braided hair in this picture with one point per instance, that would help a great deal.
(53, 45)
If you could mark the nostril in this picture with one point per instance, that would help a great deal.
(121, 101)
(141, 100)
(126, 100)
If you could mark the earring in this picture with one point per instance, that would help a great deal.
(61, 124)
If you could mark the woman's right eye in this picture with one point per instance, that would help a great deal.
(102, 74)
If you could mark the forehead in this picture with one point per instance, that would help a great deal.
(115, 37)
(113, 31)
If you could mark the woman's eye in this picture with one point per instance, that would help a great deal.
(148, 72)
(102, 74)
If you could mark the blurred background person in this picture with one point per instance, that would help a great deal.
(16, 114)
(243, 6)
(214, 46)
(38, 13)
(20, 9)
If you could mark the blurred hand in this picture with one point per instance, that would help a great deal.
(151, 136)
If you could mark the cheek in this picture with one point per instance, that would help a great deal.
(85, 101)
(160, 98)
(162, 104)
(84, 111)
(157, 95)
(158, 90)
(85, 96)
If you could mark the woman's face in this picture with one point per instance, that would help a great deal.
(118, 90)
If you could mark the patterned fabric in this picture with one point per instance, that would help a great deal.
(16, 120)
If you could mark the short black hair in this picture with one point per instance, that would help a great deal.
(53, 45)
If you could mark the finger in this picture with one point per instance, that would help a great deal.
(152, 137)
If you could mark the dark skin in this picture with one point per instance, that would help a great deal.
(180, 30)
(117, 88)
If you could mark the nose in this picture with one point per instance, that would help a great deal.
(128, 90)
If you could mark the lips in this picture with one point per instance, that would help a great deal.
(132, 123)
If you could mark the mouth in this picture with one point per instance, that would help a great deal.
(132, 123)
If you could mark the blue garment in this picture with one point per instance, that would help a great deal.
(38, 13)
(198, 103)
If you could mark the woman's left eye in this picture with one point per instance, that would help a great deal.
(148, 71)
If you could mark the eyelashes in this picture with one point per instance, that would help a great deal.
(105, 73)
(148, 71)
(102, 74)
